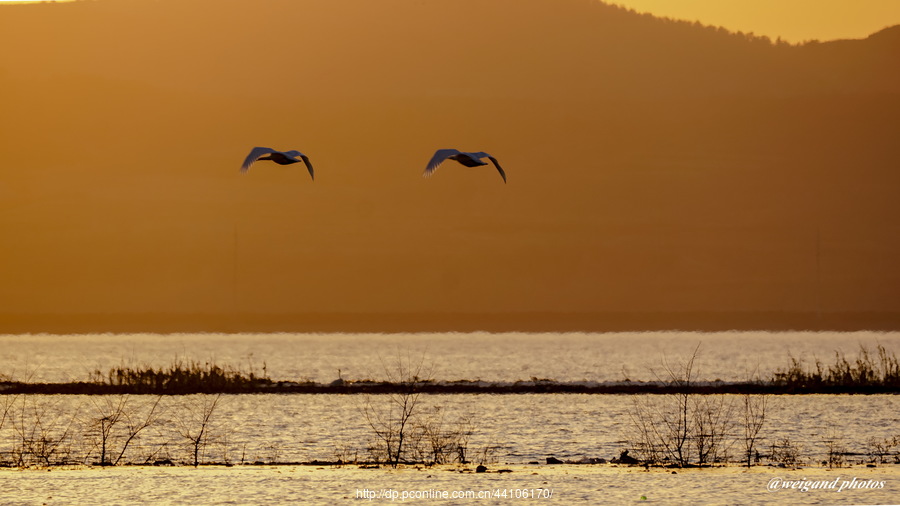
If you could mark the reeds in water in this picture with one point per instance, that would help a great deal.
(880, 368)
(181, 377)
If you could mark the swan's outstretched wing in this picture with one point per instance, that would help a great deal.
(439, 156)
(308, 166)
(255, 154)
(294, 154)
(482, 154)
(499, 168)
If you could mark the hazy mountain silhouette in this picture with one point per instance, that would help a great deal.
(654, 165)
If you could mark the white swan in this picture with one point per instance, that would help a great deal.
(467, 159)
(279, 157)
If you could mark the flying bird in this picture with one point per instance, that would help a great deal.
(467, 159)
(279, 157)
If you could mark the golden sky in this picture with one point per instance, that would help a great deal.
(792, 20)
(652, 166)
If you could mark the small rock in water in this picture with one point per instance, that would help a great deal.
(553, 460)
(624, 458)
(480, 469)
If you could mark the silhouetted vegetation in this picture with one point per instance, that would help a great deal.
(868, 370)
(195, 425)
(682, 428)
(405, 432)
(391, 420)
(181, 377)
(115, 425)
(44, 431)
(754, 417)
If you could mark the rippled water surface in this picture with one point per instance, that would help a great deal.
(517, 431)
(489, 357)
(547, 484)
(511, 428)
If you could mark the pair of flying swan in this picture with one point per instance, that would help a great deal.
(289, 157)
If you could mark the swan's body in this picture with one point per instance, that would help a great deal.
(279, 157)
(467, 159)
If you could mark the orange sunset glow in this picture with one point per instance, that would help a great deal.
(661, 173)
(793, 20)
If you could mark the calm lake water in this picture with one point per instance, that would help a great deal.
(729, 356)
(504, 430)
